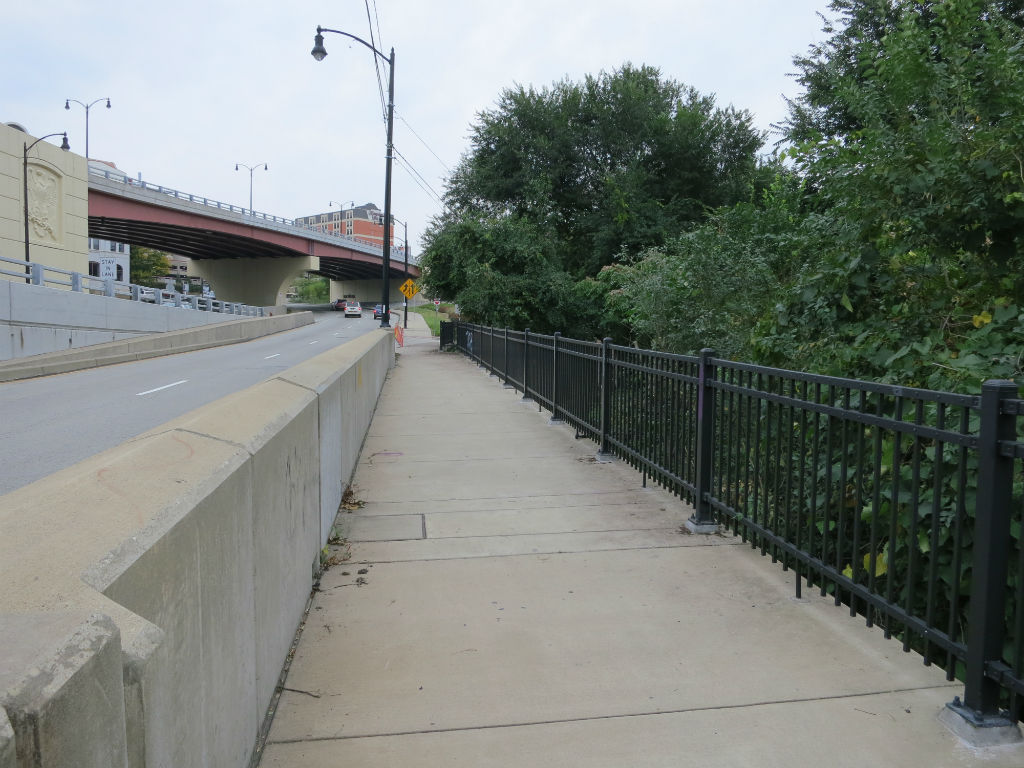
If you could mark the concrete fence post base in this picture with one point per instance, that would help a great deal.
(987, 732)
(703, 528)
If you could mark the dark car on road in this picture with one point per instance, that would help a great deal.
(378, 311)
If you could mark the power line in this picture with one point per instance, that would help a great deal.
(418, 177)
(376, 59)
(400, 117)
(419, 184)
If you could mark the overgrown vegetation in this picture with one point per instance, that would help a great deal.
(883, 240)
(312, 290)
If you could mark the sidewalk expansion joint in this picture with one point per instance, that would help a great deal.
(672, 529)
(620, 716)
(628, 490)
(540, 553)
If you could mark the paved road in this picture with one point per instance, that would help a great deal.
(50, 423)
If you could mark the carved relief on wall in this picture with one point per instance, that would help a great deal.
(44, 204)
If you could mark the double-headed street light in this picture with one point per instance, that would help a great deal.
(67, 105)
(63, 145)
(319, 52)
(250, 168)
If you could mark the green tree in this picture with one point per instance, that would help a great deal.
(909, 136)
(149, 266)
(313, 290)
(710, 287)
(584, 172)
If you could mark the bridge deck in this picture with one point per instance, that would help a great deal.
(510, 601)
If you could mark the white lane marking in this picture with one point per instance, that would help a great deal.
(268, 357)
(317, 341)
(166, 386)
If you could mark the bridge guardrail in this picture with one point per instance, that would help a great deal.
(43, 275)
(905, 505)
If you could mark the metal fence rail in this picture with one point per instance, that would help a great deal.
(39, 274)
(905, 505)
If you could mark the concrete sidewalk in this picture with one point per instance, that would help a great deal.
(511, 602)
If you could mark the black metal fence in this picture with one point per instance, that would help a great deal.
(903, 504)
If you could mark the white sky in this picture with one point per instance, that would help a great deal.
(199, 85)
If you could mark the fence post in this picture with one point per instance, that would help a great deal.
(703, 520)
(506, 385)
(490, 350)
(986, 627)
(554, 379)
(37, 274)
(108, 286)
(604, 453)
(526, 364)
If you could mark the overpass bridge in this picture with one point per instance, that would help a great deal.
(246, 256)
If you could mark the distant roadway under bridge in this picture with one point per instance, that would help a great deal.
(246, 257)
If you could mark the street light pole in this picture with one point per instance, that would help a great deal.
(405, 274)
(341, 205)
(65, 146)
(318, 53)
(250, 168)
(67, 105)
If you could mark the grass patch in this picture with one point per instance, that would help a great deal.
(432, 317)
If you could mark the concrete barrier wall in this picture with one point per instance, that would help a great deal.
(152, 345)
(152, 592)
(35, 319)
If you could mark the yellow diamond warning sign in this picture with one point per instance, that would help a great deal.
(409, 289)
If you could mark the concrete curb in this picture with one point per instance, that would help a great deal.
(151, 345)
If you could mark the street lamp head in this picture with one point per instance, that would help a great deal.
(108, 103)
(236, 166)
(264, 166)
(319, 52)
(67, 103)
(64, 144)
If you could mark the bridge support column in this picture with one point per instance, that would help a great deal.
(259, 282)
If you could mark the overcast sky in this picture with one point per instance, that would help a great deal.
(197, 86)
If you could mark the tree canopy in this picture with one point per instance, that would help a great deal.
(885, 241)
(568, 177)
(149, 266)
(901, 257)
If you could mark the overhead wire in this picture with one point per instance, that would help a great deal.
(431, 151)
(418, 177)
(376, 58)
(415, 175)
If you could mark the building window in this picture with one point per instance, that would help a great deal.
(120, 273)
(94, 269)
(113, 246)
